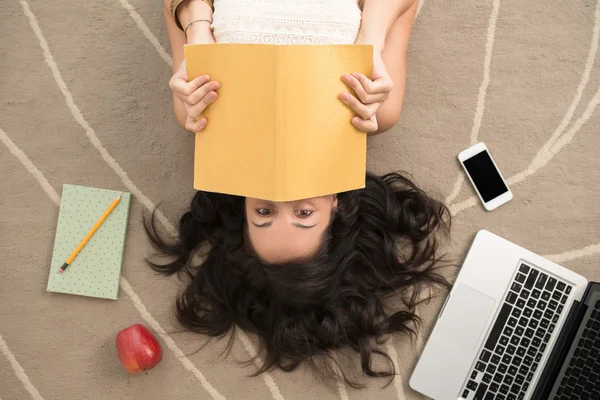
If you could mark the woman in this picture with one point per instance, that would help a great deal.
(311, 276)
(307, 276)
(384, 24)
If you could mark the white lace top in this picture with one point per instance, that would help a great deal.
(286, 21)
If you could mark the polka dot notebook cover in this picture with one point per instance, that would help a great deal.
(96, 270)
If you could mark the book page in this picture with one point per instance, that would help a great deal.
(324, 152)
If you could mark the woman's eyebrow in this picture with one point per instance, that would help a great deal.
(296, 224)
(266, 224)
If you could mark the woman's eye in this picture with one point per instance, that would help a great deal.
(304, 213)
(263, 211)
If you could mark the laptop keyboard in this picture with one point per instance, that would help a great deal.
(519, 337)
(582, 377)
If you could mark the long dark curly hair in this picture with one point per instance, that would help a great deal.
(382, 242)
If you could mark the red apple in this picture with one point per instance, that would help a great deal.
(138, 349)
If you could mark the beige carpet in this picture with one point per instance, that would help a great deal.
(84, 100)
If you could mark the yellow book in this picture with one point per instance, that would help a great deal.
(278, 130)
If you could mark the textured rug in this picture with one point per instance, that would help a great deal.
(84, 100)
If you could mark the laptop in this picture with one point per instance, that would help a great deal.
(515, 326)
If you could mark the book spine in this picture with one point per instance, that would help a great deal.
(281, 101)
(127, 198)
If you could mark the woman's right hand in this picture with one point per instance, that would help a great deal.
(196, 96)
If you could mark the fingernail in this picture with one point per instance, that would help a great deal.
(346, 78)
(212, 95)
(202, 123)
(355, 74)
(216, 85)
(344, 96)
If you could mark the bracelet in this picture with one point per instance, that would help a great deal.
(176, 3)
(194, 21)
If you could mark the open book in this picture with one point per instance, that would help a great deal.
(278, 130)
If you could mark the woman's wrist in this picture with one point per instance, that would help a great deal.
(375, 39)
(191, 10)
(200, 32)
(378, 17)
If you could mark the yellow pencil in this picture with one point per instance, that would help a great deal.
(90, 234)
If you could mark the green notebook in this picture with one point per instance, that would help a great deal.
(96, 270)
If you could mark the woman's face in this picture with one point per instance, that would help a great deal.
(288, 231)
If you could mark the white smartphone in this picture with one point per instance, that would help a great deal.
(485, 176)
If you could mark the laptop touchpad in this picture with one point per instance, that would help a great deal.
(465, 316)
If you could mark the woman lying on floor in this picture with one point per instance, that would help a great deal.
(309, 276)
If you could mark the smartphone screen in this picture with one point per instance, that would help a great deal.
(485, 176)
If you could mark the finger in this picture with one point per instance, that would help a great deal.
(362, 94)
(183, 89)
(377, 98)
(193, 85)
(367, 126)
(357, 86)
(199, 107)
(381, 85)
(202, 91)
(363, 110)
(195, 126)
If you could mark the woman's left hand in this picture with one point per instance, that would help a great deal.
(370, 94)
